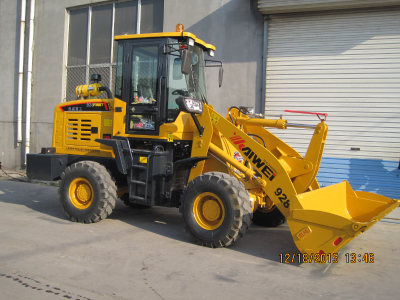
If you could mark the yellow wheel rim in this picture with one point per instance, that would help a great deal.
(208, 211)
(81, 193)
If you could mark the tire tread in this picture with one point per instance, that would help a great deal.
(242, 208)
(108, 191)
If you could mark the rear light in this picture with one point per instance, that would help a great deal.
(337, 241)
(320, 252)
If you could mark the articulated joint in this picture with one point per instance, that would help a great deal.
(260, 181)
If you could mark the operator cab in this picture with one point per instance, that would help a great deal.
(150, 76)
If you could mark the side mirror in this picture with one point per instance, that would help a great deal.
(186, 61)
(221, 75)
(216, 63)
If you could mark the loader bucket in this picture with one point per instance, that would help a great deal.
(324, 220)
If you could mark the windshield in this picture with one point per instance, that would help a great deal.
(192, 85)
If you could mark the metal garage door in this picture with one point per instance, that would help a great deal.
(346, 64)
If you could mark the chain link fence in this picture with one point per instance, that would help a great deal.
(78, 75)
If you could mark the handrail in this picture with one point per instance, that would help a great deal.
(310, 113)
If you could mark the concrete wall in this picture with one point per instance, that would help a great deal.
(49, 62)
(9, 49)
(235, 28)
(48, 73)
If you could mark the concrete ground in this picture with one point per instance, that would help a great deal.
(145, 254)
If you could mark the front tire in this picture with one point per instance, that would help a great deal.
(216, 209)
(87, 192)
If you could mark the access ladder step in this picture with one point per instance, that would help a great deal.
(137, 198)
(139, 167)
(138, 182)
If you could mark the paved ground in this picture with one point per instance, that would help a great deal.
(146, 255)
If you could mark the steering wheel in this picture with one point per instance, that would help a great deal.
(180, 92)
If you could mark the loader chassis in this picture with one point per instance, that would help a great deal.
(152, 177)
(159, 143)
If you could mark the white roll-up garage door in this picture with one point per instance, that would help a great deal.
(346, 64)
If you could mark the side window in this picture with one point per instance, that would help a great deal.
(192, 85)
(119, 76)
(144, 75)
(177, 87)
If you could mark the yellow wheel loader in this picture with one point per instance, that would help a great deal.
(158, 142)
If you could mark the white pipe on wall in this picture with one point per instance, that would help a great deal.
(29, 80)
(139, 14)
(21, 71)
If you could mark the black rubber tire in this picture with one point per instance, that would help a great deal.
(236, 203)
(272, 218)
(125, 199)
(104, 192)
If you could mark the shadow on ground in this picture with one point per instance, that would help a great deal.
(261, 242)
(266, 243)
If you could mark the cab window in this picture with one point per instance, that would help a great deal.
(144, 75)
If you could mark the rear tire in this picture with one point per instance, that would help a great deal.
(270, 218)
(87, 192)
(216, 209)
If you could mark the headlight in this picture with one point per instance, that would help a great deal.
(193, 105)
(190, 105)
(211, 53)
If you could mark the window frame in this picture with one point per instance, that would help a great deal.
(159, 108)
(110, 64)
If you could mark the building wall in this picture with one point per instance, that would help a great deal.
(235, 28)
(48, 73)
(49, 60)
(9, 49)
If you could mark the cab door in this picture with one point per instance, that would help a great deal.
(142, 87)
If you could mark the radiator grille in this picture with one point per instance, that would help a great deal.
(79, 130)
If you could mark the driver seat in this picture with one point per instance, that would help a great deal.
(145, 91)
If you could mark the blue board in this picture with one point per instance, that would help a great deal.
(377, 176)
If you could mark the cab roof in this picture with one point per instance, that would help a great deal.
(165, 34)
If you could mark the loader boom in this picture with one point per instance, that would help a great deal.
(320, 220)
